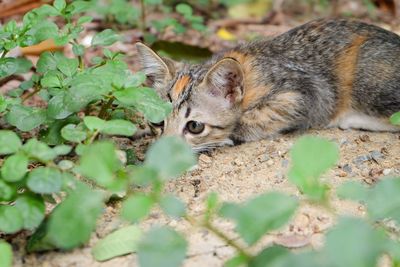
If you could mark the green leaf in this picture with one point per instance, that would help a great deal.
(73, 133)
(311, 157)
(9, 142)
(43, 30)
(44, 180)
(173, 206)
(32, 209)
(68, 66)
(119, 127)
(46, 62)
(78, 50)
(269, 256)
(26, 118)
(3, 104)
(135, 80)
(62, 150)
(7, 192)
(354, 243)
(47, 10)
(11, 220)
(162, 247)
(78, 6)
(84, 19)
(395, 118)
(39, 150)
(59, 4)
(6, 254)
(99, 162)
(170, 156)
(236, 261)
(184, 9)
(146, 101)
(383, 200)
(252, 224)
(50, 80)
(69, 226)
(15, 167)
(105, 38)
(120, 242)
(57, 107)
(353, 190)
(136, 207)
(8, 66)
(93, 123)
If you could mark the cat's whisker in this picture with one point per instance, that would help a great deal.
(212, 145)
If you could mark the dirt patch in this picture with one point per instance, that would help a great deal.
(236, 174)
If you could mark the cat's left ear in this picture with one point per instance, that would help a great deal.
(225, 79)
(158, 70)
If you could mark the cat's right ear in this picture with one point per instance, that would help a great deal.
(158, 70)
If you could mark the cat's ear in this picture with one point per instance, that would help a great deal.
(225, 79)
(158, 70)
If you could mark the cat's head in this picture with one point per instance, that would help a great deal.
(206, 98)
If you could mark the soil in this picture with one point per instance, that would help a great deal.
(236, 174)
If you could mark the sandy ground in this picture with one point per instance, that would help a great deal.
(236, 174)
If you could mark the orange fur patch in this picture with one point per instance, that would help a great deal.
(345, 69)
(252, 89)
(179, 86)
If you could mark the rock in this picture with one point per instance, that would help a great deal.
(347, 168)
(342, 174)
(292, 241)
(270, 162)
(375, 172)
(386, 171)
(317, 241)
(361, 159)
(343, 141)
(376, 155)
(364, 138)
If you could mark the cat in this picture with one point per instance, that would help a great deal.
(325, 73)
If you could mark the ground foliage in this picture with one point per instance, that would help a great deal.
(73, 166)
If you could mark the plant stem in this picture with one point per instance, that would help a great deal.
(143, 16)
(103, 111)
(207, 224)
(34, 92)
(3, 55)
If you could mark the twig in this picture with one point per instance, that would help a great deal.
(34, 92)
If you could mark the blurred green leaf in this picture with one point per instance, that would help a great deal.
(26, 118)
(252, 224)
(94, 123)
(353, 190)
(7, 191)
(354, 243)
(119, 127)
(173, 206)
(6, 254)
(44, 180)
(105, 38)
(146, 101)
(38, 150)
(14, 167)
(9, 142)
(119, 242)
(99, 162)
(136, 207)
(32, 209)
(73, 133)
(311, 157)
(69, 226)
(162, 247)
(170, 156)
(395, 118)
(11, 220)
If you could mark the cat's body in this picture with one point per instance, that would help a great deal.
(326, 73)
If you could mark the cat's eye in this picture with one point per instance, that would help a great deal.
(157, 125)
(195, 127)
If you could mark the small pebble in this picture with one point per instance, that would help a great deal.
(204, 160)
(343, 142)
(386, 171)
(364, 138)
(347, 168)
(361, 159)
(342, 174)
(270, 162)
(376, 155)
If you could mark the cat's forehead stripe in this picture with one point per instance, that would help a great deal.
(180, 85)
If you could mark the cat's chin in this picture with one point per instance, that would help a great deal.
(210, 146)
